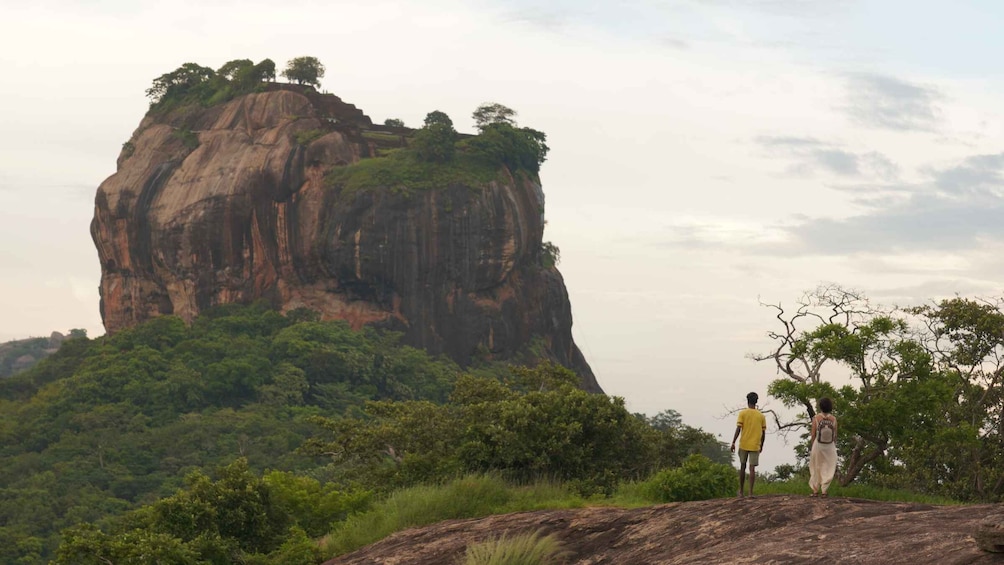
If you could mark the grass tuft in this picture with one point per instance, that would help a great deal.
(520, 549)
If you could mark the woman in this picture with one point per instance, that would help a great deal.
(823, 448)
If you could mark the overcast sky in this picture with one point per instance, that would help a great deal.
(704, 153)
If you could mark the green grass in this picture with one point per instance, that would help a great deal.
(400, 172)
(520, 549)
(468, 497)
(381, 137)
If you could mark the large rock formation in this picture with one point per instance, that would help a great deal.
(229, 204)
(769, 529)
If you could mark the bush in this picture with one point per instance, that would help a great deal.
(697, 479)
(522, 549)
(305, 137)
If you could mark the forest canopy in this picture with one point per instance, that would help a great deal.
(118, 436)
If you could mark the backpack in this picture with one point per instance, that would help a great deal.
(824, 430)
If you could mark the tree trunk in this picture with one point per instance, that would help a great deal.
(859, 459)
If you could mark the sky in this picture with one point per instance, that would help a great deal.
(706, 155)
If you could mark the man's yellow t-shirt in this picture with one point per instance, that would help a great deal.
(753, 424)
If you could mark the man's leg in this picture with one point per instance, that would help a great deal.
(754, 460)
(742, 470)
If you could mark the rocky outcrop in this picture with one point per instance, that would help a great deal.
(770, 529)
(990, 534)
(229, 204)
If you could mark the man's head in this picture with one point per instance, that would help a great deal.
(752, 398)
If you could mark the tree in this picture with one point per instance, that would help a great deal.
(924, 389)
(437, 117)
(436, 141)
(839, 326)
(265, 70)
(394, 122)
(517, 148)
(184, 80)
(304, 70)
(539, 425)
(965, 338)
(493, 113)
(231, 69)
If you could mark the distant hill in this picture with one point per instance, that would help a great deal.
(21, 354)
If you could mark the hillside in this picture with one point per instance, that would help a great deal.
(770, 529)
(22, 354)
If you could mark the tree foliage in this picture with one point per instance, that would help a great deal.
(435, 142)
(237, 517)
(501, 140)
(107, 424)
(536, 424)
(192, 83)
(304, 70)
(97, 437)
(493, 113)
(921, 407)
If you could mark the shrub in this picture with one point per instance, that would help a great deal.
(550, 255)
(521, 549)
(305, 137)
(697, 479)
(188, 138)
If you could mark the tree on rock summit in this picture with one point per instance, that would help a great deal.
(304, 70)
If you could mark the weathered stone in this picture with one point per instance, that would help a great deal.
(989, 535)
(777, 529)
(245, 215)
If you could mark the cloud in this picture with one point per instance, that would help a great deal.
(889, 103)
(674, 43)
(958, 209)
(924, 226)
(811, 156)
(979, 174)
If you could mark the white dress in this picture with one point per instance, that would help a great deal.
(822, 465)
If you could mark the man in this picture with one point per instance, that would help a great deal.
(751, 431)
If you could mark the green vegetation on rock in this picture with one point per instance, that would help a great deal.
(401, 172)
(437, 157)
(194, 84)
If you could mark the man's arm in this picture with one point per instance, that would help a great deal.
(735, 437)
(763, 436)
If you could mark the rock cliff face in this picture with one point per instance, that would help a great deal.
(229, 204)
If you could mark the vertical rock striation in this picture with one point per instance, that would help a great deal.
(229, 204)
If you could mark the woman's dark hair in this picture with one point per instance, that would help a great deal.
(826, 405)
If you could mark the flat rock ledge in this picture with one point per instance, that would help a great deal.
(773, 529)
